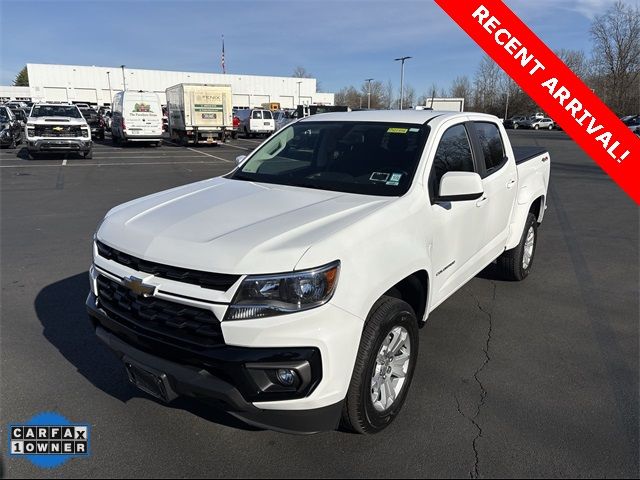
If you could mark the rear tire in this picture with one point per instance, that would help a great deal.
(515, 264)
(387, 354)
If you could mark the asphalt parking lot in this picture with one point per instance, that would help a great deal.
(538, 378)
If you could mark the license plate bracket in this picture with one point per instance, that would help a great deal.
(150, 380)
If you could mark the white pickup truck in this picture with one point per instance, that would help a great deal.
(54, 127)
(291, 290)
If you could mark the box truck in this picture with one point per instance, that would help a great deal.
(199, 113)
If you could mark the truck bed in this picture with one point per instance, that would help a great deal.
(523, 154)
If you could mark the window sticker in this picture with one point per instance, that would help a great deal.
(414, 130)
(395, 177)
(379, 177)
(397, 130)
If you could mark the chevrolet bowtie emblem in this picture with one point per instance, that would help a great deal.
(137, 286)
(58, 129)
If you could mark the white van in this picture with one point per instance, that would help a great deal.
(256, 121)
(136, 117)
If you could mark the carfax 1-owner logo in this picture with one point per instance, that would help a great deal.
(48, 440)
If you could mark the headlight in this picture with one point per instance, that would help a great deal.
(267, 295)
(85, 132)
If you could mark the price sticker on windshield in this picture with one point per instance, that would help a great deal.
(397, 130)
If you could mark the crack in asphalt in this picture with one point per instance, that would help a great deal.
(475, 473)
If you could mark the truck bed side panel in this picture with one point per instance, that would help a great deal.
(533, 180)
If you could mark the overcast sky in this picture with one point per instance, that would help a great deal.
(339, 42)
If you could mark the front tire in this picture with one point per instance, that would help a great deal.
(384, 367)
(515, 264)
(88, 155)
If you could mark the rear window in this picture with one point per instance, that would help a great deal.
(142, 108)
(267, 115)
(257, 114)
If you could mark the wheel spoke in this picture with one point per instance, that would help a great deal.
(400, 359)
(398, 340)
(390, 393)
(398, 371)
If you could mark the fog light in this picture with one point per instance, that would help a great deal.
(286, 377)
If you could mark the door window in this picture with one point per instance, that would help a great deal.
(492, 146)
(453, 155)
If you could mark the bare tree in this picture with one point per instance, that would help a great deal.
(349, 96)
(461, 88)
(489, 87)
(389, 98)
(576, 61)
(377, 95)
(616, 55)
(301, 72)
(409, 97)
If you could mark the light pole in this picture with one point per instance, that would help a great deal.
(401, 60)
(110, 93)
(124, 80)
(368, 80)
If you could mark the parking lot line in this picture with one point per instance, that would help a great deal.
(237, 146)
(209, 155)
(110, 164)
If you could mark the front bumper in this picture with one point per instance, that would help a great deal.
(53, 144)
(232, 378)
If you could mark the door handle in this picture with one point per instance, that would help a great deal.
(482, 201)
(511, 184)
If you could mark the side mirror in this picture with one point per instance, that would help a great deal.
(240, 159)
(460, 186)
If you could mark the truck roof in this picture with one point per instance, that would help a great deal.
(395, 116)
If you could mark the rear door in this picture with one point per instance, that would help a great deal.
(500, 182)
(262, 121)
(207, 108)
(143, 115)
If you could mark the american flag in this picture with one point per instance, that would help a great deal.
(224, 70)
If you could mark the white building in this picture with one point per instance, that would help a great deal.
(96, 85)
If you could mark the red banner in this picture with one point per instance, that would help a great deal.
(548, 81)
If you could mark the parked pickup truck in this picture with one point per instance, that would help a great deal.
(57, 127)
(291, 290)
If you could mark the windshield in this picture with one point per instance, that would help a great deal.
(55, 111)
(355, 157)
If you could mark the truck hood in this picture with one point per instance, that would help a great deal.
(56, 120)
(232, 226)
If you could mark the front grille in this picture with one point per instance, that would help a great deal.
(160, 319)
(58, 131)
(213, 281)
